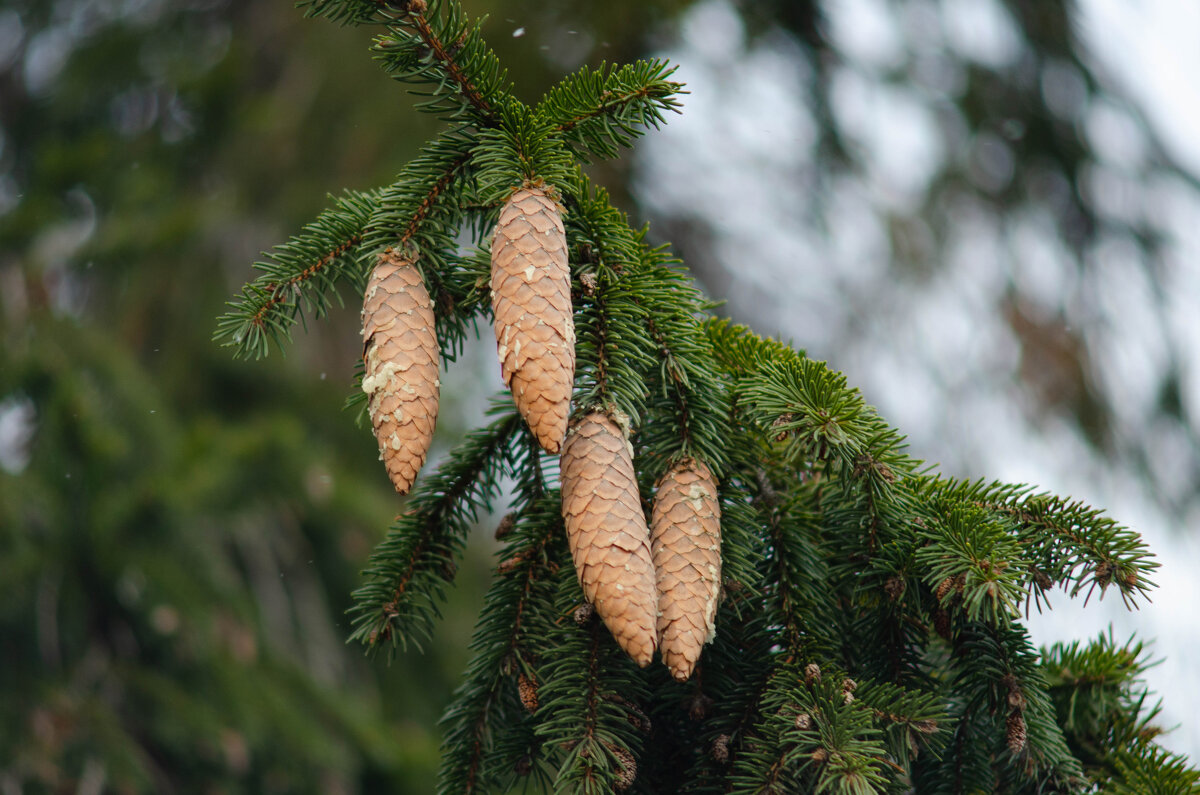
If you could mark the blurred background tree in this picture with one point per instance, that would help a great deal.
(962, 209)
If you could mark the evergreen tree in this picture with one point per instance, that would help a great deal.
(867, 637)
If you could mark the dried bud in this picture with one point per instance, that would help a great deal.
(812, 673)
(925, 726)
(1014, 736)
(944, 588)
(941, 623)
(804, 721)
(1016, 699)
(527, 690)
(627, 767)
(1042, 579)
(589, 283)
(1103, 573)
(848, 687)
(720, 748)
(584, 613)
(894, 587)
(506, 526)
(508, 565)
(698, 706)
(820, 755)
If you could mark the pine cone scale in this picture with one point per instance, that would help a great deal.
(607, 533)
(531, 304)
(686, 537)
(400, 356)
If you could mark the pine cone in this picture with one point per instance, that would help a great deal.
(531, 302)
(686, 542)
(400, 351)
(607, 532)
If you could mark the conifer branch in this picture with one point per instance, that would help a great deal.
(601, 111)
(589, 718)
(442, 53)
(838, 549)
(300, 275)
(525, 585)
(434, 46)
(689, 408)
(1064, 541)
(613, 343)
(410, 568)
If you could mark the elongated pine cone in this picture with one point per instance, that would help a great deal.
(607, 532)
(400, 352)
(686, 540)
(531, 302)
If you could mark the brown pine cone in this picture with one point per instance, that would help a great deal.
(607, 532)
(400, 351)
(686, 542)
(531, 302)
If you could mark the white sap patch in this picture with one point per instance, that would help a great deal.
(378, 380)
(529, 273)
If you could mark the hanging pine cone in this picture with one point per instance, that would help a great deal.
(686, 542)
(607, 532)
(400, 352)
(531, 302)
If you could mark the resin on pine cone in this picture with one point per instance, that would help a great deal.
(531, 303)
(686, 542)
(400, 352)
(607, 532)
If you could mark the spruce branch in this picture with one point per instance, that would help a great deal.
(815, 737)
(521, 149)
(502, 650)
(601, 111)
(409, 570)
(437, 50)
(353, 12)
(808, 407)
(299, 276)
(1064, 541)
(1100, 699)
(839, 551)
(973, 562)
(1006, 699)
(590, 720)
(688, 407)
(1150, 770)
